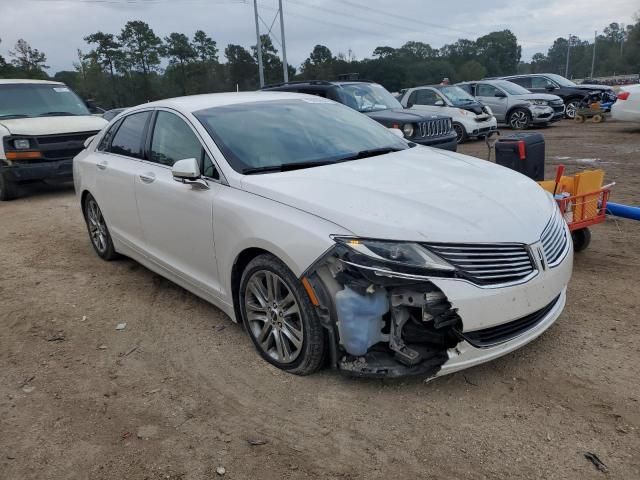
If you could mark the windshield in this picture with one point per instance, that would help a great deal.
(367, 97)
(37, 100)
(511, 88)
(456, 95)
(262, 135)
(560, 80)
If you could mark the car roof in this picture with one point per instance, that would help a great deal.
(194, 103)
(317, 83)
(7, 81)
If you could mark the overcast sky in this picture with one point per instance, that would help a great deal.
(57, 27)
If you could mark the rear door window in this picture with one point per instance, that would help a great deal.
(129, 139)
(541, 82)
(523, 82)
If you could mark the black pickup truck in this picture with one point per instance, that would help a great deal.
(376, 102)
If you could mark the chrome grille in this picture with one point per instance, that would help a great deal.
(554, 239)
(487, 264)
(434, 128)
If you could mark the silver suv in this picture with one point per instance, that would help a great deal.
(514, 105)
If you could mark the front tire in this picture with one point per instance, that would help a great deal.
(519, 119)
(8, 189)
(98, 231)
(279, 317)
(461, 133)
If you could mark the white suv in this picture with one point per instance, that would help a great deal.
(331, 239)
(471, 119)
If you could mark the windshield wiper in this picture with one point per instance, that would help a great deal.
(53, 114)
(14, 115)
(285, 167)
(370, 153)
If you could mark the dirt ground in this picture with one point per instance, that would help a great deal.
(180, 392)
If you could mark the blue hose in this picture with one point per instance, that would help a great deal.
(624, 211)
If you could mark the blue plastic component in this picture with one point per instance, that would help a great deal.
(360, 319)
(624, 211)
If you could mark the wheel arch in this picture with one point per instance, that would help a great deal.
(83, 197)
(521, 106)
(240, 263)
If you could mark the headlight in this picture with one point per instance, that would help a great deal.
(22, 144)
(542, 103)
(407, 129)
(408, 254)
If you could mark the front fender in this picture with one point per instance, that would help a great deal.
(244, 220)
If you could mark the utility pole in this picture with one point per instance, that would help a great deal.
(566, 68)
(593, 58)
(285, 66)
(258, 44)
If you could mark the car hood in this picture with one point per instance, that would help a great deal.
(538, 96)
(401, 115)
(419, 194)
(586, 86)
(53, 125)
(475, 107)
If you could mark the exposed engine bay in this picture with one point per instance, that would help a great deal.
(382, 323)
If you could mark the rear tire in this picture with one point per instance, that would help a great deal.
(8, 189)
(597, 118)
(279, 317)
(571, 108)
(581, 239)
(97, 228)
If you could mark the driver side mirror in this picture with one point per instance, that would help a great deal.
(188, 171)
(439, 103)
(500, 94)
(550, 88)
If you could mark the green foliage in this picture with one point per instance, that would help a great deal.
(125, 68)
(205, 47)
(30, 62)
(241, 67)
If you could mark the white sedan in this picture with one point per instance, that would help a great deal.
(331, 239)
(627, 106)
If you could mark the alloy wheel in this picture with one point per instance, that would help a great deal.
(571, 108)
(519, 120)
(97, 226)
(273, 316)
(459, 133)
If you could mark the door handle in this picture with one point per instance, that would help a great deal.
(147, 177)
(102, 165)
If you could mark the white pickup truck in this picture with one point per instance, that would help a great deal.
(43, 125)
(471, 119)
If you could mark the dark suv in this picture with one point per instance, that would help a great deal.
(570, 92)
(376, 102)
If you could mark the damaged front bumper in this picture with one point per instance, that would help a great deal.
(384, 323)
